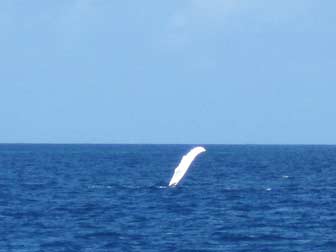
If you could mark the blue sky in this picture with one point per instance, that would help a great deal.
(179, 71)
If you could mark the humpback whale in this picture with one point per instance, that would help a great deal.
(184, 165)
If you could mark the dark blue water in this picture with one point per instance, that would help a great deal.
(114, 198)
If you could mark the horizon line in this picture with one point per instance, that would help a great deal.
(147, 143)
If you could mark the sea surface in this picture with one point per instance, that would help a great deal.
(115, 198)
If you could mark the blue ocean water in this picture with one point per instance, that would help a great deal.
(115, 198)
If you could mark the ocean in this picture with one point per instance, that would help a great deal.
(251, 198)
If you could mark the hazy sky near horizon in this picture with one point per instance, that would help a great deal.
(179, 71)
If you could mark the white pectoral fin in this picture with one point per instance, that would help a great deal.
(184, 165)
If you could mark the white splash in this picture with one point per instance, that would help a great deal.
(184, 165)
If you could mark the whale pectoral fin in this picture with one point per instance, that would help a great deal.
(184, 164)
